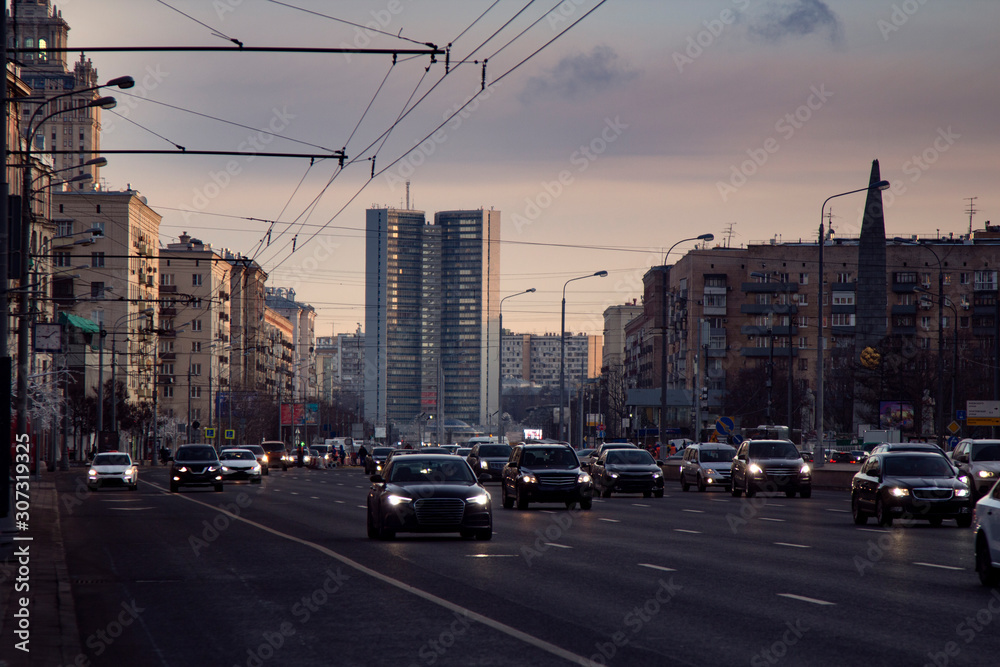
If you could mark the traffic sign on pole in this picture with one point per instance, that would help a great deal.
(230, 434)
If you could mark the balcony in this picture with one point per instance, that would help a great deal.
(168, 289)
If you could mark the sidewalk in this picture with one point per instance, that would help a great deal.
(54, 637)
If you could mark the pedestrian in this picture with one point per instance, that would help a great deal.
(343, 455)
(362, 456)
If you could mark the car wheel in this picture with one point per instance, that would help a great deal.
(748, 489)
(964, 521)
(701, 484)
(372, 530)
(586, 503)
(935, 521)
(134, 487)
(734, 490)
(267, 471)
(988, 575)
(605, 493)
(806, 493)
(173, 488)
(508, 502)
(658, 493)
(882, 516)
(684, 485)
(647, 494)
(484, 534)
(218, 488)
(522, 500)
(859, 515)
(284, 467)
(790, 493)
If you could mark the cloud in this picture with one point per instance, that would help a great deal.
(579, 76)
(798, 19)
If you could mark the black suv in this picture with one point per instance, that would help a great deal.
(488, 459)
(770, 465)
(195, 465)
(547, 473)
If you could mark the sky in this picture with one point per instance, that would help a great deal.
(605, 133)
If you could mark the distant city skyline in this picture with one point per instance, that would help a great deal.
(645, 124)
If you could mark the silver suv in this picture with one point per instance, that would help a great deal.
(707, 465)
(979, 460)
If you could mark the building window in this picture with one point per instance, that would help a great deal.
(986, 280)
(167, 369)
(61, 259)
(195, 392)
(963, 278)
(167, 391)
(97, 228)
(195, 369)
(196, 346)
(803, 278)
(715, 281)
(64, 228)
(842, 319)
(196, 279)
(715, 300)
(166, 346)
(925, 279)
(800, 299)
(97, 290)
(843, 277)
(195, 325)
(905, 278)
(843, 298)
(195, 303)
(925, 322)
(925, 343)
(946, 278)
(96, 260)
(166, 279)
(803, 364)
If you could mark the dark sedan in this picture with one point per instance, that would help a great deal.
(376, 460)
(428, 493)
(627, 471)
(195, 465)
(909, 485)
(489, 459)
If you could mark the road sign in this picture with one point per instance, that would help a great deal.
(983, 413)
(960, 415)
(725, 425)
(600, 427)
(954, 427)
(952, 441)
(230, 433)
(209, 432)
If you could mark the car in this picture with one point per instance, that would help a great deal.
(772, 466)
(260, 455)
(239, 464)
(463, 451)
(584, 454)
(906, 447)
(601, 448)
(451, 448)
(112, 469)
(856, 456)
(324, 456)
(707, 464)
(375, 460)
(988, 537)
(548, 473)
(911, 485)
(428, 493)
(489, 458)
(195, 465)
(627, 471)
(979, 460)
(277, 453)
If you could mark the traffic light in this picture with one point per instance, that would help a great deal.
(704, 395)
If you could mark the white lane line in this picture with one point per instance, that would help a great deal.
(558, 546)
(407, 588)
(123, 509)
(764, 518)
(657, 567)
(609, 520)
(639, 505)
(364, 507)
(295, 493)
(314, 497)
(689, 532)
(340, 483)
(694, 511)
(492, 556)
(719, 500)
(943, 567)
(548, 511)
(789, 544)
(772, 505)
(873, 530)
(830, 509)
(805, 599)
(341, 502)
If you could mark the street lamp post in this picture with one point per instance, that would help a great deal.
(819, 457)
(954, 361)
(500, 363)
(663, 335)
(938, 420)
(562, 351)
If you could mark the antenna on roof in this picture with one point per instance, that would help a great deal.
(971, 211)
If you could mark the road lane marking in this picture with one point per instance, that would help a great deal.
(694, 511)
(121, 500)
(830, 509)
(639, 505)
(657, 567)
(558, 546)
(789, 544)
(130, 508)
(364, 507)
(342, 502)
(719, 500)
(943, 567)
(407, 588)
(873, 530)
(547, 511)
(765, 518)
(805, 599)
(295, 493)
(690, 532)
(609, 520)
(314, 497)
(492, 556)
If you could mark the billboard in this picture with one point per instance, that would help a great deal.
(896, 414)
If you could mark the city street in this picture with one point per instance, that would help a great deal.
(283, 574)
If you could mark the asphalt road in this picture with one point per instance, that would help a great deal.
(283, 574)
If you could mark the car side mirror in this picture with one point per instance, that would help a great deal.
(377, 479)
(660, 462)
(484, 478)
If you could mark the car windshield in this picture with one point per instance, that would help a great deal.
(111, 460)
(773, 450)
(550, 457)
(986, 451)
(917, 466)
(381, 451)
(238, 456)
(196, 454)
(494, 451)
(630, 457)
(716, 455)
(419, 469)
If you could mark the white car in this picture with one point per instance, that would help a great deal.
(240, 464)
(988, 537)
(112, 469)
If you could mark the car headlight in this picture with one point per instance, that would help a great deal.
(225, 468)
(584, 478)
(397, 500)
(213, 468)
(182, 469)
(985, 473)
(754, 469)
(256, 467)
(657, 475)
(528, 478)
(961, 493)
(899, 492)
(379, 467)
(92, 473)
(963, 479)
(481, 499)
(484, 464)
(613, 475)
(804, 469)
(264, 459)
